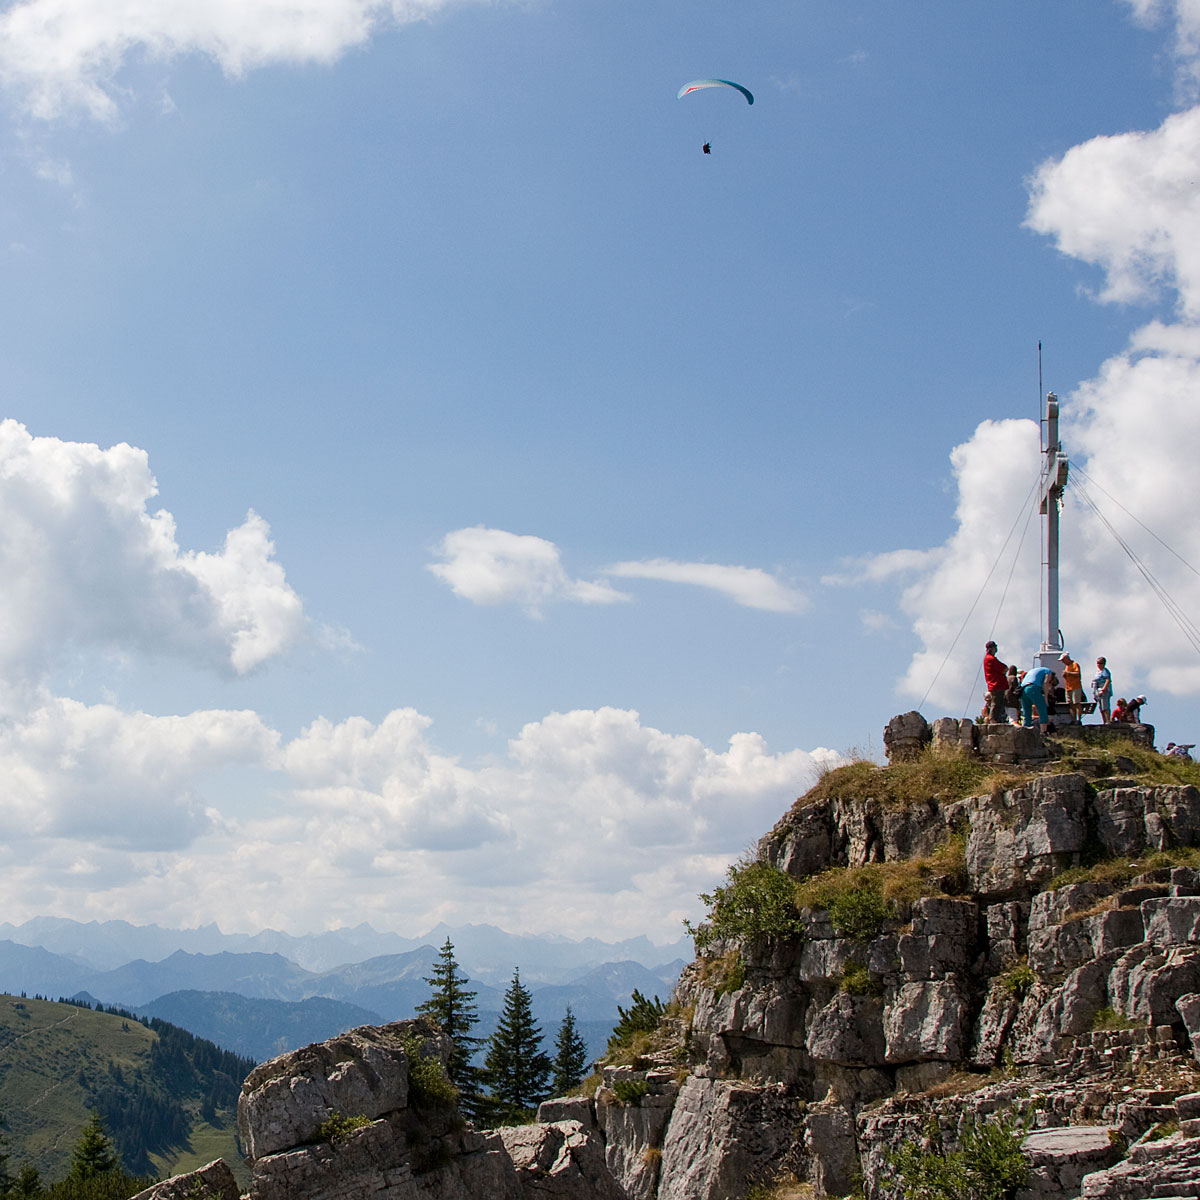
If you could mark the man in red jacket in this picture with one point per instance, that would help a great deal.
(995, 675)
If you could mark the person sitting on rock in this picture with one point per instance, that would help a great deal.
(1133, 710)
(1120, 712)
(1014, 693)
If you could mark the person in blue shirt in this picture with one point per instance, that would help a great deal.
(1036, 688)
(1102, 690)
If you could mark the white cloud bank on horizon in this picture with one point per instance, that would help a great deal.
(66, 57)
(591, 824)
(1127, 204)
(85, 563)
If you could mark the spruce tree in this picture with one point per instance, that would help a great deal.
(570, 1055)
(452, 1006)
(515, 1069)
(93, 1154)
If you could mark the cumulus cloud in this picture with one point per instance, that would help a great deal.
(751, 587)
(98, 776)
(591, 822)
(1185, 14)
(1127, 203)
(84, 561)
(66, 56)
(493, 566)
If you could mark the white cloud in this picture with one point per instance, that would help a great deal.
(1131, 434)
(750, 587)
(492, 566)
(1186, 17)
(83, 561)
(98, 775)
(1127, 203)
(590, 823)
(67, 56)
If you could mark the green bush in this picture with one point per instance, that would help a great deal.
(1018, 979)
(856, 981)
(641, 1017)
(1109, 1018)
(338, 1127)
(989, 1163)
(429, 1085)
(630, 1091)
(757, 901)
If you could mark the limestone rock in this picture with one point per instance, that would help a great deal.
(1022, 837)
(1060, 1158)
(560, 1160)
(905, 736)
(723, 1136)
(1188, 1007)
(1169, 1168)
(832, 1148)
(848, 1031)
(214, 1182)
(925, 1021)
(360, 1073)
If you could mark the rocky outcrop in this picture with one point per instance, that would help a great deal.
(955, 961)
(367, 1116)
(1073, 1006)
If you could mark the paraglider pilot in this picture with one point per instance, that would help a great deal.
(707, 147)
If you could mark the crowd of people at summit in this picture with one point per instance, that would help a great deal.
(1041, 690)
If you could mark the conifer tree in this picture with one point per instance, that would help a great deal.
(570, 1055)
(452, 1006)
(515, 1069)
(93, 1154)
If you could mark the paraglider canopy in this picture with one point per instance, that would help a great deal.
(697, 84)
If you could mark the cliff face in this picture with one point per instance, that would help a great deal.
(1002, 925)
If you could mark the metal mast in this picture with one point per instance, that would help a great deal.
(1054, 480)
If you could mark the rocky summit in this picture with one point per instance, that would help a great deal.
(996, 931)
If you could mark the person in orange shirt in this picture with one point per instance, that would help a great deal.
(1072, 685)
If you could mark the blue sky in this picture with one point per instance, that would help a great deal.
(435, 490)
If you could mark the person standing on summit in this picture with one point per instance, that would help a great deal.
(995, 676)
(1072, 685)
(1102, 689)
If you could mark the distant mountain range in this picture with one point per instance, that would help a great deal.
(491, 953)
(261, 1002)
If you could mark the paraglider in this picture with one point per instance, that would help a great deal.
(699, 84)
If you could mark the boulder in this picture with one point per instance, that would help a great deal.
(363, 1073)
(559, 1160)
(1060, 1158)
(905, 736)
(724, 1136)
(213, 1182)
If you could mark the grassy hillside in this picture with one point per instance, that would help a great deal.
(168, 1099)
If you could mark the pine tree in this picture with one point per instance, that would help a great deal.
(570, 1055)
(452, 1006)
(93, 1154)
(515, 1069)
